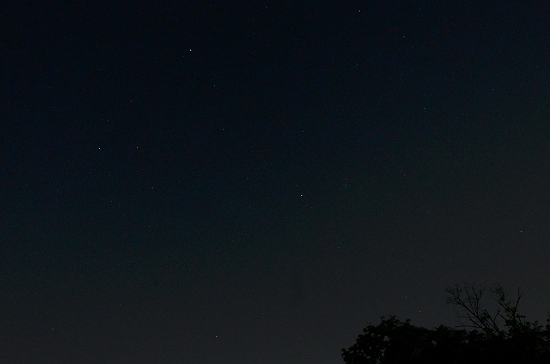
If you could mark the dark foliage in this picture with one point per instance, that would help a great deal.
(498, 337)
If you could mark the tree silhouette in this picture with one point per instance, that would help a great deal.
(489, 337)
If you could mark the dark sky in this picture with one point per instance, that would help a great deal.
(256, 181)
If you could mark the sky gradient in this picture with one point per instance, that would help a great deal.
(213, 182)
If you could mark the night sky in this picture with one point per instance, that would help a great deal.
(256, 181)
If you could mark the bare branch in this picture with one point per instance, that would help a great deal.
(469, 298)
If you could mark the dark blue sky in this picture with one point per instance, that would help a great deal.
(213, 182)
